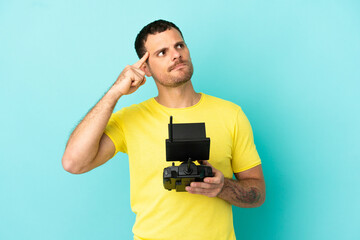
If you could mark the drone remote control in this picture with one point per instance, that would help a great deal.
(187, 143)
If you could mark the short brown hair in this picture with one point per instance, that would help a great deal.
(157, 26)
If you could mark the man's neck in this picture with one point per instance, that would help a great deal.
(178, 97)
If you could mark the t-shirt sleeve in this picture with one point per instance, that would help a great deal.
(244, 153)
(114, 130)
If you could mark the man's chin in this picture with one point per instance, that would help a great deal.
(174, 83)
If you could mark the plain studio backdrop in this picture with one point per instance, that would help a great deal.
(293, 67)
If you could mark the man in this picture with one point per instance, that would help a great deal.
(204, 211)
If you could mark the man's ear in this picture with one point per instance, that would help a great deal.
(145, 68)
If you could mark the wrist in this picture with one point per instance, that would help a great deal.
(222, 188)
(114, 93)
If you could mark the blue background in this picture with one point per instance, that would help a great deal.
(293, 66)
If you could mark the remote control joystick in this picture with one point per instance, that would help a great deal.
(187, 143)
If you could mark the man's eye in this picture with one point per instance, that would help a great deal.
(180, 45)
(161, 53)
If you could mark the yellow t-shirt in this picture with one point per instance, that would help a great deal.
(140, 131)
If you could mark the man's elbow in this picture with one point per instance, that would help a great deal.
(260, 194)
(69, 165)
(261, 200)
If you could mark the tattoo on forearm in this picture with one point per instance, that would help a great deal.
(250, 195)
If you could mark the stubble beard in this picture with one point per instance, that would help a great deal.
(176, 81)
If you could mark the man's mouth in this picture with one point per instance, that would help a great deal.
(177, 66)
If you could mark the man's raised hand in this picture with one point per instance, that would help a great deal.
(132, 77)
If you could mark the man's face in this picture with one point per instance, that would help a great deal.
(169, 61)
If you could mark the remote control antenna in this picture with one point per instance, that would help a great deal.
(188, 165)
(171, 129)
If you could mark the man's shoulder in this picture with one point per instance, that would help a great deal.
(136, 108)
(140, 106)
(217, 102)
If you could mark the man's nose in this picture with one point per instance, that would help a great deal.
(175, 54)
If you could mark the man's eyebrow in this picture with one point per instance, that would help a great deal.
(160, 50)
(180, 42)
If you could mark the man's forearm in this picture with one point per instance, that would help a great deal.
(246, 193)
(83, 143)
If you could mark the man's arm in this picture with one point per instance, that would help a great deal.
(88, 146)
(247, 191)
